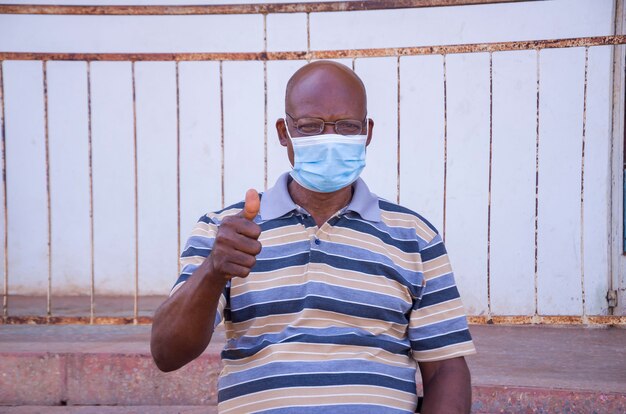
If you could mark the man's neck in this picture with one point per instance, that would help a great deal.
(321, 206)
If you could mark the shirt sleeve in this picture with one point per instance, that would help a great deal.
(438, 327)
(197, 248)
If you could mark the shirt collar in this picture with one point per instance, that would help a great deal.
(276, 201)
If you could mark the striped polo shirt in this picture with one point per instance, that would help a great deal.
(333, 319)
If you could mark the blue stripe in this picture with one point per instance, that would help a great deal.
(315, 380)
(392, 303)
(441, 341)
(206, 219)
(196, 251)
(419, 333)
(433, 252)
(320, 303)
(267, 265)
(248, 346)
(440, 282)
(279, 251)
(434, 298)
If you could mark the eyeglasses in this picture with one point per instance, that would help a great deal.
(314, 126)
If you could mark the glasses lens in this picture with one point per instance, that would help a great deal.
(348, 127)
(309, 126)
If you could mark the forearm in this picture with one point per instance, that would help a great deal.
(183, 325)
(448, 390)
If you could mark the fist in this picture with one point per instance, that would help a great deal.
(236, 245)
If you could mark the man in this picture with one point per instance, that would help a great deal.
(329, 295)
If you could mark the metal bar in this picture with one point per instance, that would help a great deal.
(264, 8)
(5, 295)
(91, 224)
(308, 39)
(178, 252)
(582, 187)
(445, 144)
(136, 294)
(326, 54)
(601, 320)
(222, 128)
(606, 320)
(489, 184)
(48, 196)
(265, 117)
(616, 216)
(536, 275)
(398, 129)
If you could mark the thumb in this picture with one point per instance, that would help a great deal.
(252, 204)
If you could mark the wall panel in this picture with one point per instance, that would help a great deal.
(467, 185)
(514, 142)
(156, 176)
(113, 178)
(244, 120)
(422, 125)
(559, 214)
(27, 200)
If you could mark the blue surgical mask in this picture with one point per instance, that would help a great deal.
(329, 162)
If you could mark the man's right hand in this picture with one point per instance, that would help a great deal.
(236, 245)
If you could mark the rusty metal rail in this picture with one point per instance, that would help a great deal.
(602, 320)
(325, 54)
(264, 8)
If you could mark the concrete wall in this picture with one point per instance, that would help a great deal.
(507, 153)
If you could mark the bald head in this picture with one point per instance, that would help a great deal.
(326, 90)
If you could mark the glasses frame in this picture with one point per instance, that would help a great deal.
(323, 123)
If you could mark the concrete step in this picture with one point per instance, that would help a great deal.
(567, 369)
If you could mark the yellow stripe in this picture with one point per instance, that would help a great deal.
(313, 318)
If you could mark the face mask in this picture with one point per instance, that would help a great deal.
(327, 163)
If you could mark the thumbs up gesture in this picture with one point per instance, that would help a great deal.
(236, 244)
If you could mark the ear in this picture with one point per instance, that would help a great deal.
(281, 129)
(370, 129)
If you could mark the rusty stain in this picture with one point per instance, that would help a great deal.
(397, 127)
(136, 295)
(5, 294)
(222, 128)
(548, 320)
(489, 183)
(326, 54)
(536, 241)
(74, 320)
(265, 104)
(445, 144)
(91, 224)
(262, 8)
(178, 252)
(48, 196)
(582, 186)
(602, 320)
